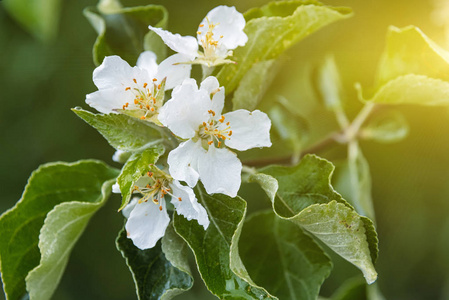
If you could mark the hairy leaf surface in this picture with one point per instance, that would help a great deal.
(303, 195)
(121, 131)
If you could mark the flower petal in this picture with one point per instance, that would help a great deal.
(116, 188)
(183, 162)
(186, 110)
(146, 224)
(175, 69)
(186, 45)
(188, 206)
(147, 62)
(220, 171)
(229, 27)
(130, 207)
(108, 100)
(211, 85)
(249, 129)
(112, 73)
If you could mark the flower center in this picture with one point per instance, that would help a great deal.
(215, 131)
(208, 42)
(145, 98)
(154, 186)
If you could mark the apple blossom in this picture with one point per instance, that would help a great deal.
(148, 217)
(218, 34)
(195, 115)
(135, 89)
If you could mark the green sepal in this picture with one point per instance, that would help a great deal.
(55, 193)
(216, 249)
(124, 31)
(123, 132)
(136, 166)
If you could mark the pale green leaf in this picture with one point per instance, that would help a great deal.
(282, 257)
(329, 83)
(136, 166)
(413, 70)
(154, 275)
(48, 186)
(273, 29)
(121, 131)
(124, 32)
(62, 228)
(38, 17)
(353, 181)
(253, 85)
(216, 249)
(411, 89)
(410, 51)
(307, 186)
(342, 230)
(386, 127)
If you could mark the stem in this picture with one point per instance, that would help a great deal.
(348, 133)
(353, 129)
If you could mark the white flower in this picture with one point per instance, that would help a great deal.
(195, 114)
(135, 89)
(148, 217)
(220, 32)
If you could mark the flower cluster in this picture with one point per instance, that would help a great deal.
(193, 115)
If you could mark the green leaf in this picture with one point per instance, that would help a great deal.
(413, 70)
(303, 194)
(62, 228)
(216, 249)
(353, 181)
(121, 131)
(154, 275)
(342, 230)
(282, 257)
(410, 51)
(386, 127)
(136, 166)
(48, 186)
(253, 85)
(329, 83)
(411, 89)
(273, 29)
(124, 32)
(38, 17)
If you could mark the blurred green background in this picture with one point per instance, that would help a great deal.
(40, 82)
